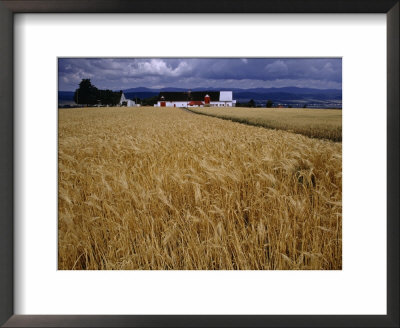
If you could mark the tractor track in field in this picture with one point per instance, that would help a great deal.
(186, 110)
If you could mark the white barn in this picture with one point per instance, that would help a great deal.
(196, 99)
(129, 102)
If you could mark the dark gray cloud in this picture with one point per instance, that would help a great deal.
(123, 73)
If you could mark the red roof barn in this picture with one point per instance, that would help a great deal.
(195, 103)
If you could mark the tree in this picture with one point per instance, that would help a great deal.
(239, 104)
(108, 97)
(252, 103)
(305, 106)
(150, 101)
(269, 104)
(86, 94)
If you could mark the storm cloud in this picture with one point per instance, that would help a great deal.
(124, 73)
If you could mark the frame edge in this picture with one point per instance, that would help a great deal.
(393, 146)
(6, 205)
(6, 165)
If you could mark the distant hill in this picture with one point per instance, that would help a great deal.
(140, 95)
(256, 90)
(324, 98)
(66, 98)
(143, 89)
(65, 95)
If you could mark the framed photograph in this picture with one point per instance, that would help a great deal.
(194, 164)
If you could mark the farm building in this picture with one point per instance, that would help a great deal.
(125, 101)
(196, 99)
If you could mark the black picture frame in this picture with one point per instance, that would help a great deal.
(10, 7)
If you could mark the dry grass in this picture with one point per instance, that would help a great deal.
(315, 123)
(160, 188)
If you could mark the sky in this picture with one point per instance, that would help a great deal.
(245, 73)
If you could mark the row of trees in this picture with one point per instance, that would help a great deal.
(252, 103)
(269, 104)
(88, 94)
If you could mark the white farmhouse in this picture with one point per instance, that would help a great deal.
(196, 99)
(129, 102)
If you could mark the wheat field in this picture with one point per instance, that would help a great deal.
(161, 188)
(315, 123)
